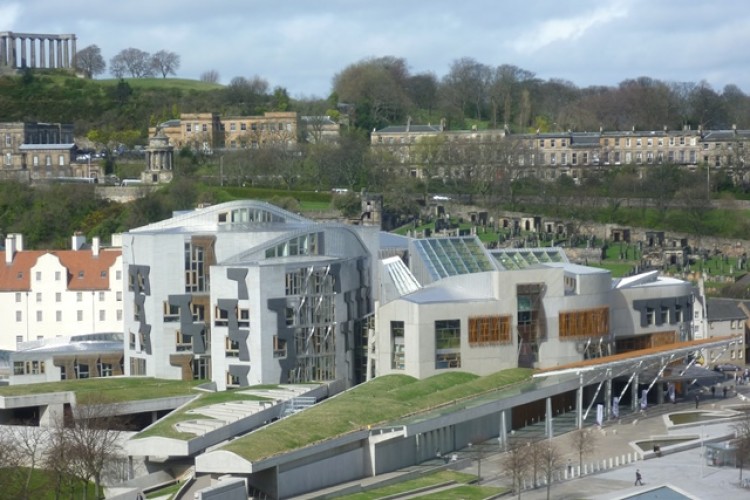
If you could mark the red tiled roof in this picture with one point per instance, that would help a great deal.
(84, 270)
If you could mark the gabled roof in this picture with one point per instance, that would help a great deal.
(724, 310)
(85, 271)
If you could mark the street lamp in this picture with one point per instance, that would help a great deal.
(479, 462)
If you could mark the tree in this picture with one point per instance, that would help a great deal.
(90, 62)
(133, 62)
(546, 459)
(210, 76)
(92, 441)
(516, 462)
(584, 443)
(376, 88)
(165, 62)
(742, 441)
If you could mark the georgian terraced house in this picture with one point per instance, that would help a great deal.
(430, 150)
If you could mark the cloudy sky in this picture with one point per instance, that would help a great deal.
(302, 44)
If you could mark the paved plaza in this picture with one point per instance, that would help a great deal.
(687, 472)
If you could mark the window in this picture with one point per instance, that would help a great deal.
(171, 313)
(279, 347)
(79, 296)
(650, 316)
(61, 160)
(18, 296)
(101, 296)
(38, 296)
(38, 276)
(574, 158)
(398, 361)
(79, 315)
(7, 140)
(289, 316)
(39, 316)
(221, 317)
(489, 330)
(664, 315)
(80, 275)
(243, 126)
(48, 160)
(118, 296)
(58, 297)
(196, 279)
(19, 339)
(188, 127)
(19, 316)
(105, 369)
(8, 159)
(58, 315)
(584, 323)
(81, 370)
(18, 368)
(448, 344)
(231, 348)
(183, 342)
(119, 315)
(118, 275)
(232, 380)
(102, 315)
(243, 317)
(541, 143)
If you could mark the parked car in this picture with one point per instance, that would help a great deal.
(727, 367)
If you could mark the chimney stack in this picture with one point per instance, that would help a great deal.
(10, 248)
(77, 241)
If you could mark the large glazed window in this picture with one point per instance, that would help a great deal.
(448, 344)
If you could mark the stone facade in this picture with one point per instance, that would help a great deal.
(32, 151)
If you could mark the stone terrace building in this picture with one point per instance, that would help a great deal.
(552, 154)
(32, 151)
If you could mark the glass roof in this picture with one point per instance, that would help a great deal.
(521, 258)
(402, 278)
(445, 257)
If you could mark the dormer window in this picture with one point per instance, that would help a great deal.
(80, 275)
(104, 274)
(20, 275)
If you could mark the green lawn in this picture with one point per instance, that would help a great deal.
(465, 492)
(113, 389)
(404, 487)
(163, 83)
(378, 401)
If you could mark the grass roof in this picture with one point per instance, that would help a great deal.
(165, 426)
(379, 401)
(108, 389)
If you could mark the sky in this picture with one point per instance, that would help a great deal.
(302, 44)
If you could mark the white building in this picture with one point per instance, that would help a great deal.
(46, 294)
(459, 306)
(246, 293)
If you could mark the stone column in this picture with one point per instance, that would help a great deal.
(32, 49)
(12, 51)
(22, 49)
(51, 53)
(3, 49)
(60, 62)
(42, 54)
(73, 56)
(66, 53)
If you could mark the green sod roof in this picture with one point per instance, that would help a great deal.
(377, 402)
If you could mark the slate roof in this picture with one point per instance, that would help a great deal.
(85, 271)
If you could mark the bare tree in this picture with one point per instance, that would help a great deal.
(92, 440)
(90, 62)
(742, 441)
(11, 462)
(165, 62)
(584, 442)
(133, 62)
(29, 442)
(210, 76)
(516, 462)
(546, 459)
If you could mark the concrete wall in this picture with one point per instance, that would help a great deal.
(226, 489)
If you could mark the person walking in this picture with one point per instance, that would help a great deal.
(638, 478)
(697, 400)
